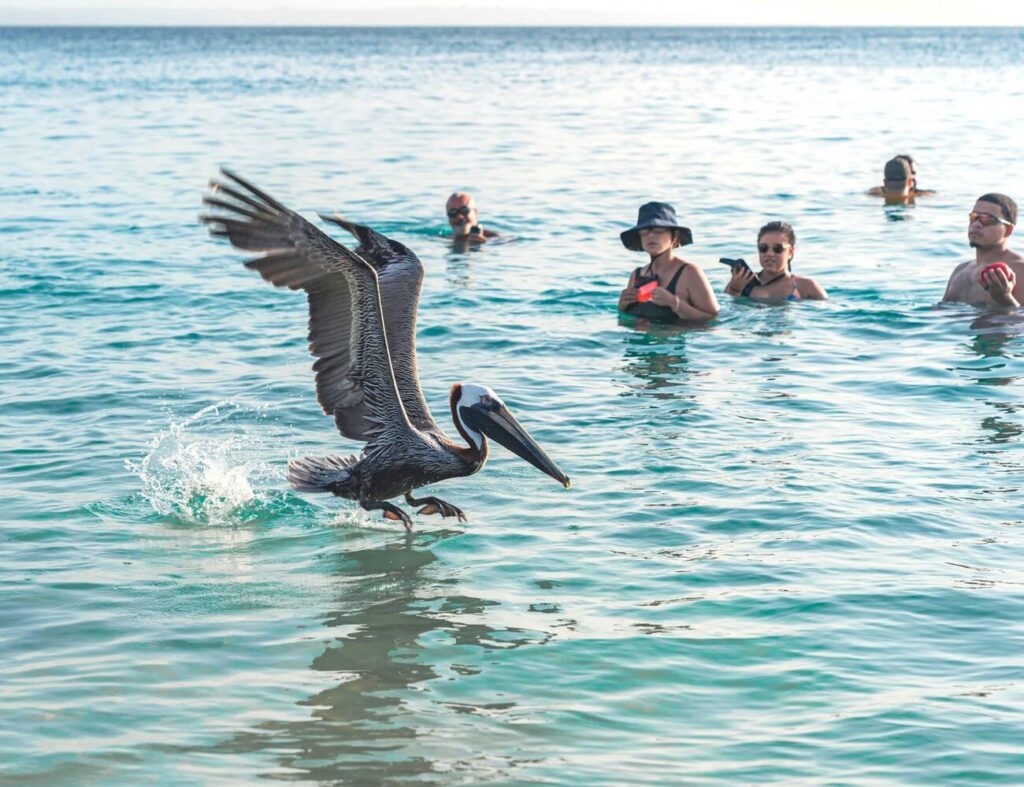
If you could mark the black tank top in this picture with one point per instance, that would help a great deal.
(648, 310)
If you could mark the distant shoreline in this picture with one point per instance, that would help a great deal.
(39, 24)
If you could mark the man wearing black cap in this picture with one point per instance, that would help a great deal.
(899, 182)
(995, 277)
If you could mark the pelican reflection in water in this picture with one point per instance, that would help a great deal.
(362, 330)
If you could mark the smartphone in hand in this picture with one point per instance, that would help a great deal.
(737, 263)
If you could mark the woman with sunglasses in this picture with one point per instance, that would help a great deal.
(776, 244)
(668, 288)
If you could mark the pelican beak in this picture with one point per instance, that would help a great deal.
(495, 421)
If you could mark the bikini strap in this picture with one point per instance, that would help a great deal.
(675, 279)
(770, 282)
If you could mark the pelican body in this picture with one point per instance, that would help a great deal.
(362, 331)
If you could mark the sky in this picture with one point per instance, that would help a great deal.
(511, 12)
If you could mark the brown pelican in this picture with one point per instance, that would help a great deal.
(362, 330)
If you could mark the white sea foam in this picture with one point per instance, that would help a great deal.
(197, 471)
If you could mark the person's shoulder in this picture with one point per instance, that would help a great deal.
(809, 288)
(924, 193)
(691, 270)
(490, 233)
(1014, 259)
(877, 191)
(957, 274)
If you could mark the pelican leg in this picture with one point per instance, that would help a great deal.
(435, 505)
(391, 511)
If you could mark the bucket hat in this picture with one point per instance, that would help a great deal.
(655, 214)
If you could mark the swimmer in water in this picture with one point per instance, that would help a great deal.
(981, 282)
(464, 220)
(899, 182)
(673, 289)
(776, 245)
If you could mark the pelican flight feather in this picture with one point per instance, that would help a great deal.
(362, 332)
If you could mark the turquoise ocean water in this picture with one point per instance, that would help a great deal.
(793, 549)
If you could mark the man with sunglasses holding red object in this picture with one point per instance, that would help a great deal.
(996, 275)
(462, 216)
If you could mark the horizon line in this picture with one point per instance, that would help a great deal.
(500, 25)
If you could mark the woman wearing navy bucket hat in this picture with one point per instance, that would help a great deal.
(668, 288)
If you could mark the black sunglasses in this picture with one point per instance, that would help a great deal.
(778, 248)
(465, 210)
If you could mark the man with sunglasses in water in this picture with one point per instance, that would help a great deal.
(996, 275)
(462, 216)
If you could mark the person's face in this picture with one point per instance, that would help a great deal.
(461, 215)
(984, 231)
(774, 251)
(656, 240)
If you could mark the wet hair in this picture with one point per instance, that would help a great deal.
(899, 169)
(1006, 205)
(778, 226)
(783, 227)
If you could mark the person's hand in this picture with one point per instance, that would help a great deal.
(662, 297)
(740, 278)
(1000, 280)
(627, 297)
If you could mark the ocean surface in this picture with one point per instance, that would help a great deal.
(793, 552)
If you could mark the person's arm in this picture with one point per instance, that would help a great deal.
(949, 295)
(1018, 288)
(740, 278)
(696, 302)
(811, 290)
(627, 297)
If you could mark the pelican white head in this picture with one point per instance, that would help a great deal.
(480, 412)
(467, 395)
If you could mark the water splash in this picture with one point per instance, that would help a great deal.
(198, 471)
(357, 519)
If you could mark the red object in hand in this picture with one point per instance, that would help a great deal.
(992, 267)
(644, 292)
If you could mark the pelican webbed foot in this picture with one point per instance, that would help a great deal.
(435, 505)
(391, 511)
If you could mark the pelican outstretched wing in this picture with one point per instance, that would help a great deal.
(399, 275)
(354, 379)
